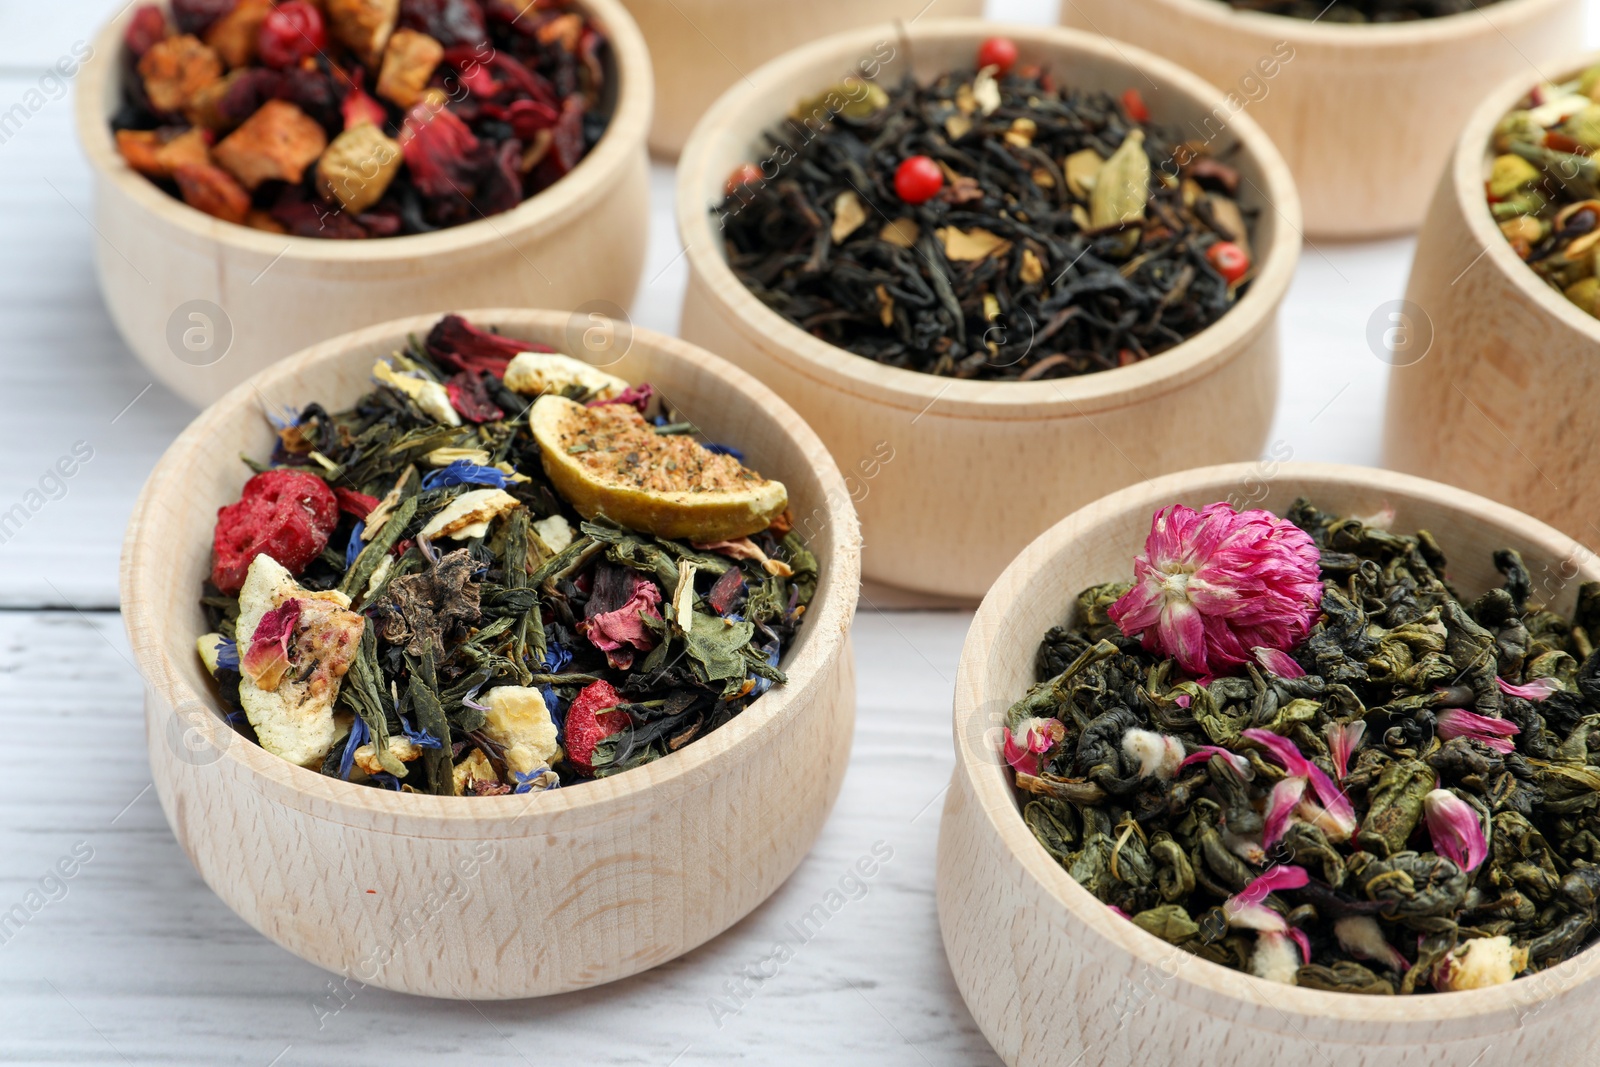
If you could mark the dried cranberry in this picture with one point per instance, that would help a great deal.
(440, 152)
(470, 397)
(457, 344)
(285, 514)
(195, 16)
(450, 22)
(314, 92)
(589, 723)
(147, 26)
(291, 32)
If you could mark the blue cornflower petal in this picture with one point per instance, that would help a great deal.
(763, 684)
(526, 782)
(555, 657)
(462, 472)
(387, 780)
(724, 450)
(358, 737)
(420, 738)
(282, 418)
(353, 549)
(227, 654)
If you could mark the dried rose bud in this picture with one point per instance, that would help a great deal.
(1213, 585)
(1031, 739)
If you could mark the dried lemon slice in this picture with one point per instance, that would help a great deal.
(608, 461)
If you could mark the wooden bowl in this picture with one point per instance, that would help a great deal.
(491, 897)
(701, 47)
(162, 262)
(1365, 114)
(1049, 971)
(952, 478)
(1497, 392)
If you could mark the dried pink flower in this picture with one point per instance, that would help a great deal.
(1535, 690)
(1278, 662)
(1247, 909)
(1496, 733)
(617, 633)
(1203, 754)
(1343, 742)
(1456, 829)
(1334, 814)
(1031, 739)
(1214, 584)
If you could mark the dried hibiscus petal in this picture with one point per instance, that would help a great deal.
(588, 722)
(147, 26)
(353, 503)
(502, 186)
(459, 345)
(450, 22)
(440, 151)
(469, 395)
(568, 148)
(725, 592)
(358, 108)
(285, 514)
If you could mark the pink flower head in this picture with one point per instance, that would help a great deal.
(1246, 908)
(1343, 742)
(1214, 584)
(1496, 733)
(1456, 830)
(1336, 816)
(1278, 662)
(1238, 763)
(1032, 739)
(1535, 690)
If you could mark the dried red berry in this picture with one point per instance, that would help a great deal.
(285, 514)
(147, 26)
(1133, 103)
(918, 180)
(998, 52)
(459, 345)
(588, 723)
(1231, 261)
(291, 32)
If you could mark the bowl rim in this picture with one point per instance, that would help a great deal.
(844, 371)
(1446, 29)
(569, 198)
(144, 568)
(1044, 880)
(1466, 177)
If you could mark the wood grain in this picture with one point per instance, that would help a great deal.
(1506, 399)
(980, 468)
(1049, 972)
(700, 48)
(1365, 115)
(567, 889)
(279, 294)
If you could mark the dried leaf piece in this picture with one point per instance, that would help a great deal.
(902, 233)
(429, 608)
(971, 245)
(1122, 187)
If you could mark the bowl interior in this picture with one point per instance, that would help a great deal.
(1098, 543)
(168, 555)
(735, 131)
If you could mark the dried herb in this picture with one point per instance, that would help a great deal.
(360, 118)
(446, 620)
(1361, 10)
(988, 225)
(1543, 187)
(1388, 790)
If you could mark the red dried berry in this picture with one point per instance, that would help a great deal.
(285, 514)
(918, 180)
(1133, 103)
(998, 52)
(147, 27)
(291, 32)
(1231, 261)
(743, 174)
(588, 723)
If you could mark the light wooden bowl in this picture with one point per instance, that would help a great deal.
(1365, 115)
(1049, 971)
(977, 469)
(701, 47)
(491, 897)
(274, 295)
(1505, 401)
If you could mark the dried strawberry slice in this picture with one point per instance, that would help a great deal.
(284, 514)
(588, 723)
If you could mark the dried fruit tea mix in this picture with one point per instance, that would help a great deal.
(360, 118)
(1290, 748)
(1361, 10)
(501, 570)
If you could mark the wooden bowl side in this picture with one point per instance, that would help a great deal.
(701, 47)
(1048, 971)
(607, 878)
(1017, 456)
(1506, 401)
(1365, 115)
(275, 294)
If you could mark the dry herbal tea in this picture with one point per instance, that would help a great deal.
(360, 118)
(1290, 748)
(1543, 187)
(1361, 10)
(989, 225)
(497, 572)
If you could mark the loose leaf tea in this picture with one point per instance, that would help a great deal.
(360, 118)
(1291, 748)
(1544, 189)
(1361, 10)
(450, 588)
(989, 225)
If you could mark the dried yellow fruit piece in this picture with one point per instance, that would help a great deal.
(1122, 188)
(848, 215)
(537, 373)
(1032, 271)
(1081, 169)
(469, 514)
(901, 233)
(971, 245)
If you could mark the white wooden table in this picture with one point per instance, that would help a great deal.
(133, 959)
